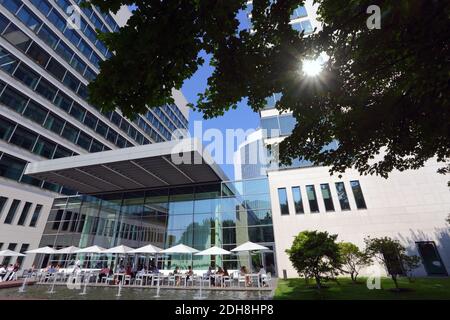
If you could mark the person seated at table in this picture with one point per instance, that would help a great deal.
(225, 272)
(261, 275)
(129, 271)
(50, 268)
(10, 268)
(121, 269)
(244, 272)
(104, 272)
(189, 273)
(16, 267)
(210, 274)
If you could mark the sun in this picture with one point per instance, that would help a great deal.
(312, 68)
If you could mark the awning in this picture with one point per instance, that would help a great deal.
(154, 165)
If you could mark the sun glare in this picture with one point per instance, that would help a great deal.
(312, 68)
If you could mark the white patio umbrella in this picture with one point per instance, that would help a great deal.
(148, 249)
(213, 251)
(248, 247)
(68, 251)
(43, 251)
(119, 250)
(181, 248)
(9, 253)
(92, 250)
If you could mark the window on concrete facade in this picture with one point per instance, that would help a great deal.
(282, 198)
(12, 211)
(24, 214)
(358, 194)
(312, 198)
(35, 216)
(327, 198)
(298, 201)
(342, 195)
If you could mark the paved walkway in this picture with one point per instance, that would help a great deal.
(14, 284)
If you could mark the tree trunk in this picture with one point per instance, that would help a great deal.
(394, 278)
(318, 283)
(352, 275)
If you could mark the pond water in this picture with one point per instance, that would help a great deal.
(108, 293)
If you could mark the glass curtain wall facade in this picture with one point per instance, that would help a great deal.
(223, 214)
(45, 68)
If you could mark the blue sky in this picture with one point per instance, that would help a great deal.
(241, 118)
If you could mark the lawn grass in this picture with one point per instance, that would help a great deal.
(419, 288)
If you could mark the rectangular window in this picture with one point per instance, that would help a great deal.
(23, 248)
(13, 99)
(342, 195)
(6, 128)
(327, 198)
(58, 21)
(46, 89)
(48, 36)
(29, 19)
(23, 138)
(78, 64)
(35, 216)
(72, 36)
(11, 167)
(71, 82)
(282, 198)
(312, 198)
(44, 148)
(11, 5)
(298, 202)
(26, 75)
(84, 141)
(70, 133)
(12, 211)
(24, 214)
(62, 152)
(56, 69)
(90, 120)
(8, 62)
(54, 123)
(77, 112)
(358, 194)
(35, 112)
(2, 205)
(96, 146)
(38, 55)
(42, 5)
(64, 51)
(63, 101)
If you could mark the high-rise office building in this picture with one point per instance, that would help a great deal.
(46, 63)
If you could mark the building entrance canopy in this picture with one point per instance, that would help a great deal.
(155, 165)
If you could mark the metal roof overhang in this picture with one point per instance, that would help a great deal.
(148, 166)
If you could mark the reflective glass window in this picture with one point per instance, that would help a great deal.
(312, 198)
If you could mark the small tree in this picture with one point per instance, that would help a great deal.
(409, 264)
(392, 255)
(315, 255)
(353, 259)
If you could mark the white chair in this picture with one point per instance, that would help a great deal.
(206, 279)
(155, 279)
(241, 279)
(139, 279)
(126, 279)
(172, 280)
(107, 279)
(227, 280)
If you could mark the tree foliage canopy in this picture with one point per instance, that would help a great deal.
(315, 255)
(353, 259)
(382, 89)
